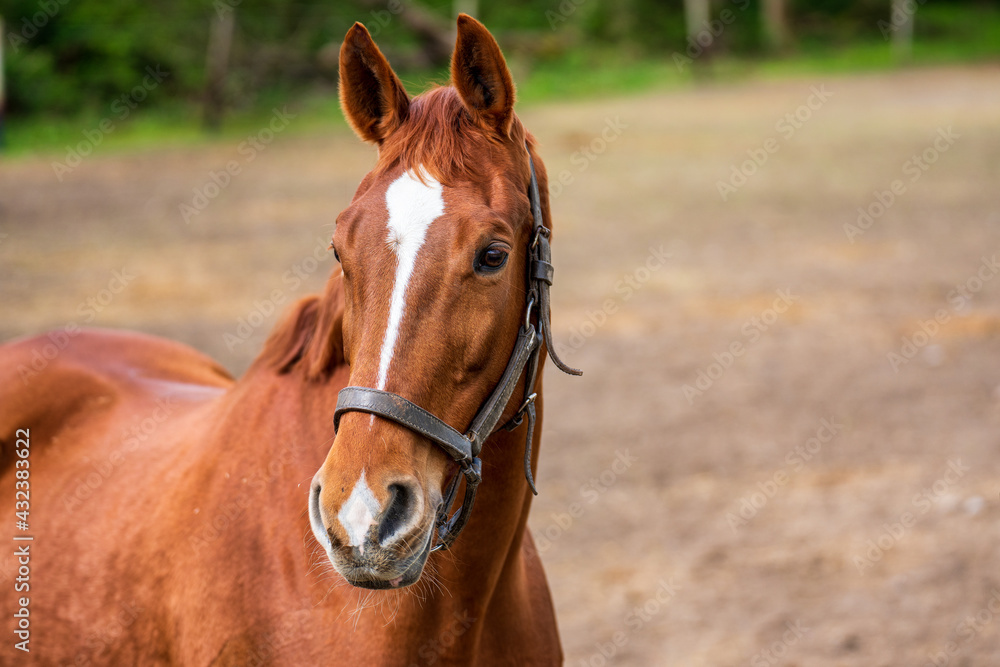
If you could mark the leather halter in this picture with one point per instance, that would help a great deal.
(465, 449)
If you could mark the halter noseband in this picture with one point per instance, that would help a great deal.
(464, 449)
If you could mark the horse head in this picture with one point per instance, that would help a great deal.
(434, 250)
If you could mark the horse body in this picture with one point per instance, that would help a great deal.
(177, 514)
(187, 542)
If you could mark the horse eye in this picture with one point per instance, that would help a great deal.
(491, 259)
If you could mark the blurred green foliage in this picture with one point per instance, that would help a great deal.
(70, 59)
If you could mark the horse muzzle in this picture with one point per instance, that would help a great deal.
(374, 544)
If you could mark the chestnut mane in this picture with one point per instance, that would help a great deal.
(309, 336)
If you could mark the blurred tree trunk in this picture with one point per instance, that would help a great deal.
(434, 33)
(3, 88)
(696, 17)
(901, 20)
(773, 20)
(470, 7)
(220, 41)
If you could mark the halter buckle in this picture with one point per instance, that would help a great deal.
(518, 417)
(527, 311)
(473, 470)
(540, 230)
(447, 528)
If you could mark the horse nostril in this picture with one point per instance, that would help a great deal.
(397, 511)
(316, 518)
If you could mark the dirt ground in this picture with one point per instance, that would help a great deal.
(777, 456)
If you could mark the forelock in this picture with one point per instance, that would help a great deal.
(441, 137)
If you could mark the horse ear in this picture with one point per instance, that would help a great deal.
(480, 75)
(371, 95)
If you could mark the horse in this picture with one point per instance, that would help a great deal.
(311, 512)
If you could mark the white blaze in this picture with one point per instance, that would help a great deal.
(412, 207)
(358, 514)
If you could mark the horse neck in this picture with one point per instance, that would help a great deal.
(482, 569)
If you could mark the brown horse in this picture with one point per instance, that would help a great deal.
(177, 515)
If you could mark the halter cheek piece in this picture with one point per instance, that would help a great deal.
(464, 449)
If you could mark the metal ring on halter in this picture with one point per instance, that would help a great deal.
(528, 401)
(540, 230)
